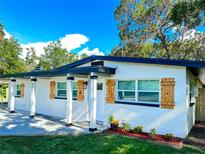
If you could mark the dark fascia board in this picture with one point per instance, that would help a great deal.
(186, 63)
(63, 69)
(87, 70)
(77, 70)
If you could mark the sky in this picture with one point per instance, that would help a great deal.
(83, 26)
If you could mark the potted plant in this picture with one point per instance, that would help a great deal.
(113, 122)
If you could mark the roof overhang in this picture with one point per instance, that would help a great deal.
(199, 73)
(101, 70)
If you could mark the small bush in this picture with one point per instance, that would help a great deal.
(153, 132)
(138, 129)
(125, 126)
(169, 136)
(115, 122)
(110, 119)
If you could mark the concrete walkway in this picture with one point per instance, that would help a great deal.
(20, 123)
(197, 135)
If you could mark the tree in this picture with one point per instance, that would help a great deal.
(146, 22)
(84, 55)
(2, 33)
(31, 60)
(55, 56)
(145, 50)
(10, 52)
(189, 13)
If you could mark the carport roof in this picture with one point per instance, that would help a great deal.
(60, 72)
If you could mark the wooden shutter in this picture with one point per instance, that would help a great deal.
(52, 89)
(110, 91)
(167, 93)
(80, 93)
(22, 89)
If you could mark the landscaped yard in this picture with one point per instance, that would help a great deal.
(92, 143)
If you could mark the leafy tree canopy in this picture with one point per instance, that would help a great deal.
(31, 60)
(146, 29)
(189, 13)
(10, 61)
(55, 56)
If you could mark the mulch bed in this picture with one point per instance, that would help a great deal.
(175, 141)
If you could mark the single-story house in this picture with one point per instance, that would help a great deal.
(155, 93)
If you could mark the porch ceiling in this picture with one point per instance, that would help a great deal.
(102, 70)
(199, 73)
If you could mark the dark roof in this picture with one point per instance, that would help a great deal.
(63, 71)
(72, 67)
(186, 63)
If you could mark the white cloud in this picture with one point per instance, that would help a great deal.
(7, 35)
(95, 51)
(69, 42)
(73, 41)
(38, 47)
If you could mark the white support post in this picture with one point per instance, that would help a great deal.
(69, 107)
(93, 103)
(33, 97)
(11, 96)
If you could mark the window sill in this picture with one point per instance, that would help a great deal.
(18, 96)
(137, 103)
(64, 98)
(60, 98)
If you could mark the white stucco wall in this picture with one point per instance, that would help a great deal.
(51, 107)
(24, 102)
(57, 107)
(163, 120)
(191, 110)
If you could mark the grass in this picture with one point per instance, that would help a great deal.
(86, 144)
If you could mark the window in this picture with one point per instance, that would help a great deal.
(148, 90)
(61, 89)
(18, 90)
(138, 91)
(126, 90)
(75, 89)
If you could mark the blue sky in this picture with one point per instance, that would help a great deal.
(82, 25)
(33, 21)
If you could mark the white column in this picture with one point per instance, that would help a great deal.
(93, 102)
(11, 104)
(33, 97)
(69, 107)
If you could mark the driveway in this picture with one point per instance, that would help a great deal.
(20, 123)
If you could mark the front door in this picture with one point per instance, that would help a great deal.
(100, 102)
(200, 106)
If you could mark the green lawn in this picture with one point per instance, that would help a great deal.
(94, 143)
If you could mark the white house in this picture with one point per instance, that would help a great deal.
(154, 93)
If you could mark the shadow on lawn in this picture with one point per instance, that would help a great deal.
(85, 144)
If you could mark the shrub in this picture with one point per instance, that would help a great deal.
(169, 136)
(115, 122)
(125, 126)
(153, 132)
(138, 129)
(110, 119)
